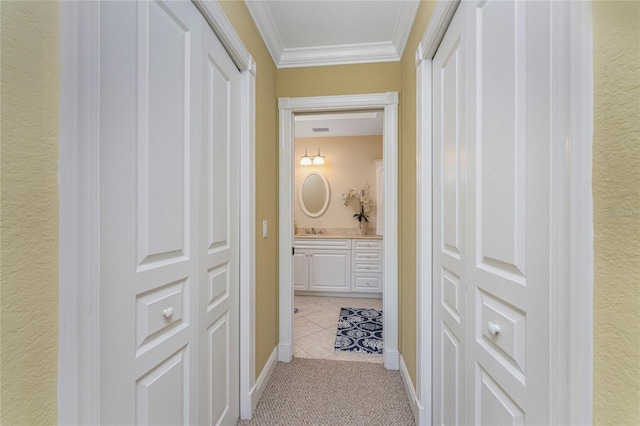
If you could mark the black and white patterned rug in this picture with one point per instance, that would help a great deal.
(359, 330)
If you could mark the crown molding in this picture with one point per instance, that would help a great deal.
(267, 28)
(390, 51)
(339, 55)
(404, 24)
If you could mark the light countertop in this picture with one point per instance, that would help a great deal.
(330, 236)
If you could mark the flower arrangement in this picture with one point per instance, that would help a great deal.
(364, 202)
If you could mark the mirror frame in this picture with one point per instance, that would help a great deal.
(327, 196)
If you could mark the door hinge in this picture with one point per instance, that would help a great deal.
(293, 251)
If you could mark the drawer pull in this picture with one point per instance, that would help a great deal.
(494, 329)
(168, 313)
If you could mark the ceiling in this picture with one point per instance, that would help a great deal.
(303, 33)
(360, 123)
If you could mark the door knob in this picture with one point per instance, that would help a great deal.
(493, 328)
(168, 313)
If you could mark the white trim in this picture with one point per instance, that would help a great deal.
(389, 51)
(581, 226)
(247, 245)
(79, 244)
(261, 15)
(79, 247)
(404, 24)
(571, 285)
(411, 394)
(438, 24)
(423, 249)
(263, 379)
(223, 29)
(287, 108)
(339, 55)
(571, 217)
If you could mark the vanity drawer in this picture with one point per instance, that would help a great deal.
(366, 267)
(322, 243)
(367, 256)
(366, 282)
(367, 244)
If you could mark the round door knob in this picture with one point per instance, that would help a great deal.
(493, 328)
(168, 313)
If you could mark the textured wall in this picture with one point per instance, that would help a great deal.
(266, 181)
(616, 203)
(29, 205)
(407, 193)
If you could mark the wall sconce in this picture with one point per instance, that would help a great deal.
(305, 160)
(316, 160)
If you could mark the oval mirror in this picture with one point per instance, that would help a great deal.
(314, 194)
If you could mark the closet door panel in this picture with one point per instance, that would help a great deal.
(509, 198)
(219, 240)
(149, 163)
(449, 222)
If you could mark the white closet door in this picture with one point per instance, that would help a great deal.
(508, 211)
(169, 244)
(219, 236)
(449, 226)
(492, 193)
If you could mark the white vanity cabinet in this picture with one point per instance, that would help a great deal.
(322, 265)
(366, 265)
(337, 265)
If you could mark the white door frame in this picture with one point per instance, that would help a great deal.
(79, 186)
(571, 253)
(288, 107)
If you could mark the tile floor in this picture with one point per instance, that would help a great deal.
(315, 326)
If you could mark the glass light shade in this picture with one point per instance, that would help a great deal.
(305, 160)
(318, 159)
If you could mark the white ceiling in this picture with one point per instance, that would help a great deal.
(302, 33)
(361, 123)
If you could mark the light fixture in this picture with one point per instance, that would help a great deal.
(318, 159)
(305, 160)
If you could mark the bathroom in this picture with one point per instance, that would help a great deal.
(337, 248)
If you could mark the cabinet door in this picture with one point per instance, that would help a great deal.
(330, 270)
(301, 270)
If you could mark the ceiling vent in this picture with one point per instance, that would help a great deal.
(320, 129)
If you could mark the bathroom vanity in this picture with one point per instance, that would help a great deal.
(338, 264)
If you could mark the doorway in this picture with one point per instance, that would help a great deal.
(338, 203)
(288, 107)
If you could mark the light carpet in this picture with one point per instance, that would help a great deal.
(323, 392)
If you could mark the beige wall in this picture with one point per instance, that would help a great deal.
(616, 186)
(407, 191)
(266, 181)
(339, 80)
(29, 205)
(349, 163)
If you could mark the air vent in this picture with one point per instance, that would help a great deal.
(320, 129)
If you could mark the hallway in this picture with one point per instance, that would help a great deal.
(323, 392)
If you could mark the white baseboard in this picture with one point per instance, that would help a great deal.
(263, 379)
(411, 392)
(285, 352)
(391, 360)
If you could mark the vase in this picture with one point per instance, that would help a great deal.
(362, 227)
